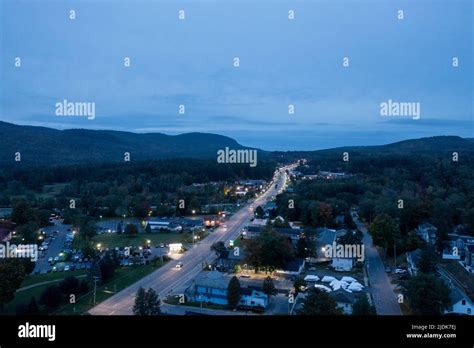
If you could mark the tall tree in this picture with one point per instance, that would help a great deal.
(146, 302)
(427, 295)
(139, 307)
(363, 307)
(259, 212)
(233, 292)
(219, 248)
(51, 297)
(318, 302)
(153, 302)
(12, 274)
(384, 231)
(427, 262)
(268, 287)
(269, 250)
(131, 230)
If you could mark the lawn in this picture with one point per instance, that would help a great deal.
(112, 240)
(123, 278)
(24, 296)
(46, 277)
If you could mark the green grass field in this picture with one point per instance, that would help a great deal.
(46, 277)
(123, 278)
(24, 296)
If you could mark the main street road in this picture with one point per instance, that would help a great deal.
(168, 278)
(385, 300)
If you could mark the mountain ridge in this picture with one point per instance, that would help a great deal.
(40, 145)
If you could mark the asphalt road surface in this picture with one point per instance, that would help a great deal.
(167, 279)
(385, 300)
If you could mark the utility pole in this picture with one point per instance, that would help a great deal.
(395, 254)
(95, 288)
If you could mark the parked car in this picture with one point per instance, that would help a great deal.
(400, 270)
(179, 265)
(50, 259)
(388, 269)
(67, 268)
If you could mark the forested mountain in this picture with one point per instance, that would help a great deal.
(42, 146)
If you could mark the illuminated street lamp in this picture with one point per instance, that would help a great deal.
(194, 211)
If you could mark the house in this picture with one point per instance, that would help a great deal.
(192, 224)
(457, 245)
(454, 249)
(413, 257)
(343, 263)
(156, 224)
(253, 298)
(5, 235)
(228, 260)
(469, 255)
(344, 300)
(460, 303)
(427, 232)
(211, 287)
(324, 237)
(293, 267)
(331, 175)
(293, 233)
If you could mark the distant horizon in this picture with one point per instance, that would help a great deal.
(242, 143)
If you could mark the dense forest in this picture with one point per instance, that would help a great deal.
(406, 188)
(113, 189)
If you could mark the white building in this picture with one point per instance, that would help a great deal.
(460, 303)
(342, 263)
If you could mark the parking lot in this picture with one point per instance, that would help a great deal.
(57, 254)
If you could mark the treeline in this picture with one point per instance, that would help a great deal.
(128, 188)
(408, 189)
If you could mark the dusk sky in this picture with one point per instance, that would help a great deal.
(282, 62)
